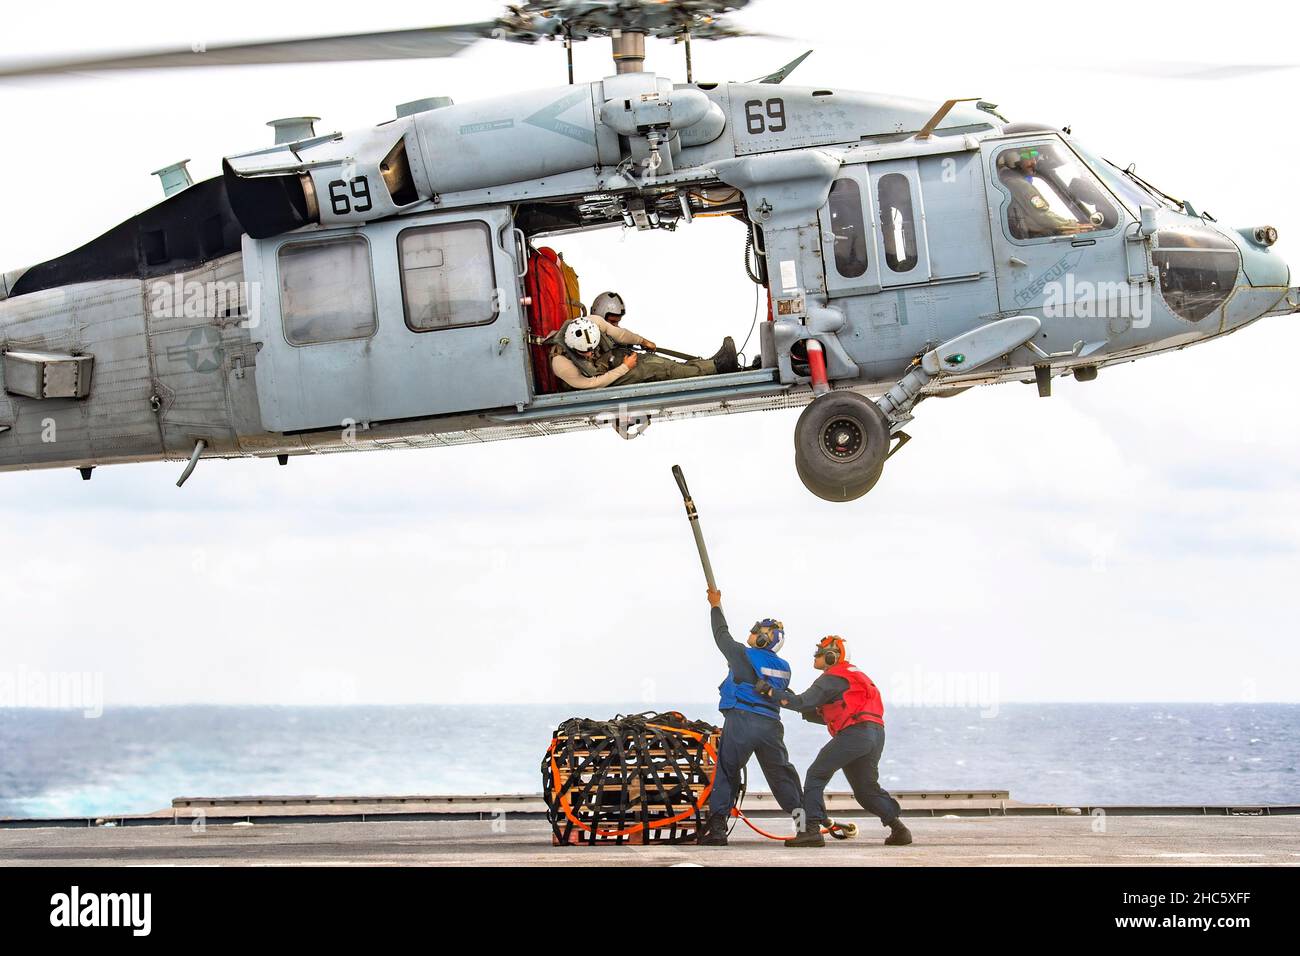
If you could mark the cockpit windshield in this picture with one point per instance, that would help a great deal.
(1132, 191)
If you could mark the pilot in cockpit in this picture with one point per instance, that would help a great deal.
(1031, 198)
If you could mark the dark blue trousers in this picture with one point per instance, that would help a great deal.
(856, 750)
(745, 735)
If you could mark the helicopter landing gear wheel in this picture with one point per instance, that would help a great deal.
(840, 445)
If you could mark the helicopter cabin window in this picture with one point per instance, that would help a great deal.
(447, 277)
(1051, 193)
(897, 222)
(849, 228)
(326, 291)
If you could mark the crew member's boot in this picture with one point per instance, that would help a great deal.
(715, 831)
(725, 358)
(809, 836)
(899, 834)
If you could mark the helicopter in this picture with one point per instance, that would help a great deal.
(369, 289)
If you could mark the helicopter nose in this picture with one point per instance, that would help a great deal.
(1264, 268)
(1264, 287)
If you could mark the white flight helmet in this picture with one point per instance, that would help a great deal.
(582, 335)
(607, 303)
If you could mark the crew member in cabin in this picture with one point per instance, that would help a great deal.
(751, 724)
(588, 352)
(849, 704)
(609, 306)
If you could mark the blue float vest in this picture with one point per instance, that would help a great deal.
(734, 695)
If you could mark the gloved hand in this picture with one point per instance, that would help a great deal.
(763, 689)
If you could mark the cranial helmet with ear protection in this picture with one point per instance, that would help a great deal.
(769, 634)
(581, 335)
(608, 303)
(832, 650)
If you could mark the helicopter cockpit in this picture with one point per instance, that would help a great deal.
(1051, 193)
(1058, 188)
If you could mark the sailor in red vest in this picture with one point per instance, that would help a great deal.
(848, 703)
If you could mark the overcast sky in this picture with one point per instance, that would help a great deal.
(1134, 538)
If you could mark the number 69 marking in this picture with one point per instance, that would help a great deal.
(761, 117)
(342, 192)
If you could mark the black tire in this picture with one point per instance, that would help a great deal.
(840, 445)
(848, 492)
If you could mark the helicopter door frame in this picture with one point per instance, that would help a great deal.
(1027, 269)
(401, 367)
(918, 273)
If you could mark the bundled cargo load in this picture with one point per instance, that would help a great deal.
(639, 779)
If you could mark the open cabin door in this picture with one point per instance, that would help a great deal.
(396, 320)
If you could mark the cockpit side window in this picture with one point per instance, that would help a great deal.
(1051, 193)
(849, 227)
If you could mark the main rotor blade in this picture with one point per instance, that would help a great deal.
(422, 43)
(1170, 70)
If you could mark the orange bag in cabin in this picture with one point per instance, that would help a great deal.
(552, 285)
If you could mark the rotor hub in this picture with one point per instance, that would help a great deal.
(584, 19)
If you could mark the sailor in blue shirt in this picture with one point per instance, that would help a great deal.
(752, 724)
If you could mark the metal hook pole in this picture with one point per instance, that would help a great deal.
(695, 527)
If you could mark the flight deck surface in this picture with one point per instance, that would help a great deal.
(511, 832)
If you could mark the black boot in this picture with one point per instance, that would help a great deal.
(899, 834)
(811, 836)
(715, 831)
(724, 359)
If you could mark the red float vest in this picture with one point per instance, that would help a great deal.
(859, 704)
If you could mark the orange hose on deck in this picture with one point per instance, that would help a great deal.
(735, 812)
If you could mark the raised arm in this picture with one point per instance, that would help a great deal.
(730, 648)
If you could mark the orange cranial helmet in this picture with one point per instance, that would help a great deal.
(832, 649)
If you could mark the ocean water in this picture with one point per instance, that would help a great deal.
(58, 763)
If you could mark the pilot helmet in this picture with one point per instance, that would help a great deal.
(609, 304)
(1024, 153)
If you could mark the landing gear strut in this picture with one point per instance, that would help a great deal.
(842, 439)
